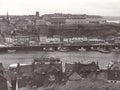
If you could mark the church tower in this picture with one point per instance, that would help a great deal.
(37, 14)
(7, 18)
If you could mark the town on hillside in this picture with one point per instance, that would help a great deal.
(60, 30)
(85, 51)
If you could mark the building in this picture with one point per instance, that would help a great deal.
(113, 76)
(117, 39)
(114, 65)
(1, 68)
(83, 68)
(76, 21)
(69, 68)
(3, 80)
(41, 30)
(4, 25)
(42, 22)
(75, 77)
(96, 41)
(21, 24)
(47, 71)
(85, 21)
(3, 83)
(37, 14)
(48, 17)
(57, 20)
(80, 68)
(99, 75)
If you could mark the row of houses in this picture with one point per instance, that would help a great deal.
(59, 18)
(22, 22)
(55, 39)
(70, 21)
(49, 71)
(36, 40)
(64, 25)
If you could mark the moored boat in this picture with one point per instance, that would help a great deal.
(81, 49)
(103, 50)
(116, 50)
(63, 49)
(11, 51)
(50, 49)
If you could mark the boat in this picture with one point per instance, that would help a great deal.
(50, 49)
(16, 64)
(93, 49)
(63, 49)
(103, 50)
(81, 49)
(116, 50)
(13, 67)
(11, 51)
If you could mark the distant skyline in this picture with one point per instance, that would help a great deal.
(90, 7)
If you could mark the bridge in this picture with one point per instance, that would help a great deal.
(55, 46)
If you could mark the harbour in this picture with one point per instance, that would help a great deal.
(68, 57)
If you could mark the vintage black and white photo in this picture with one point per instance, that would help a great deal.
(59, 45)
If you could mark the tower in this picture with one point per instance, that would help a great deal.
(37, 14)
(7, 17)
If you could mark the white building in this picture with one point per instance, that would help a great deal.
(85, 21)
(42, 22)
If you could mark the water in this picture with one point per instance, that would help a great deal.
(70, 57)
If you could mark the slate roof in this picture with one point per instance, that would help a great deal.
(113, 75)
(75, 76)
(47, 68)
(82, 67)
(115, 66)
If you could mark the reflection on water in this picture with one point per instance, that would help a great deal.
(83, 57)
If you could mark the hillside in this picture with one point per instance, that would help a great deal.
(97, 30)
(111, 17)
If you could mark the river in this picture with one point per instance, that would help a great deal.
(69, 57)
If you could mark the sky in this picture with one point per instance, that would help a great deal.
(90, 7)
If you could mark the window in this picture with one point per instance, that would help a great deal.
(116, 74)
(52, 78)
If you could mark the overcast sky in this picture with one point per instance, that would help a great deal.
(29, 7)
